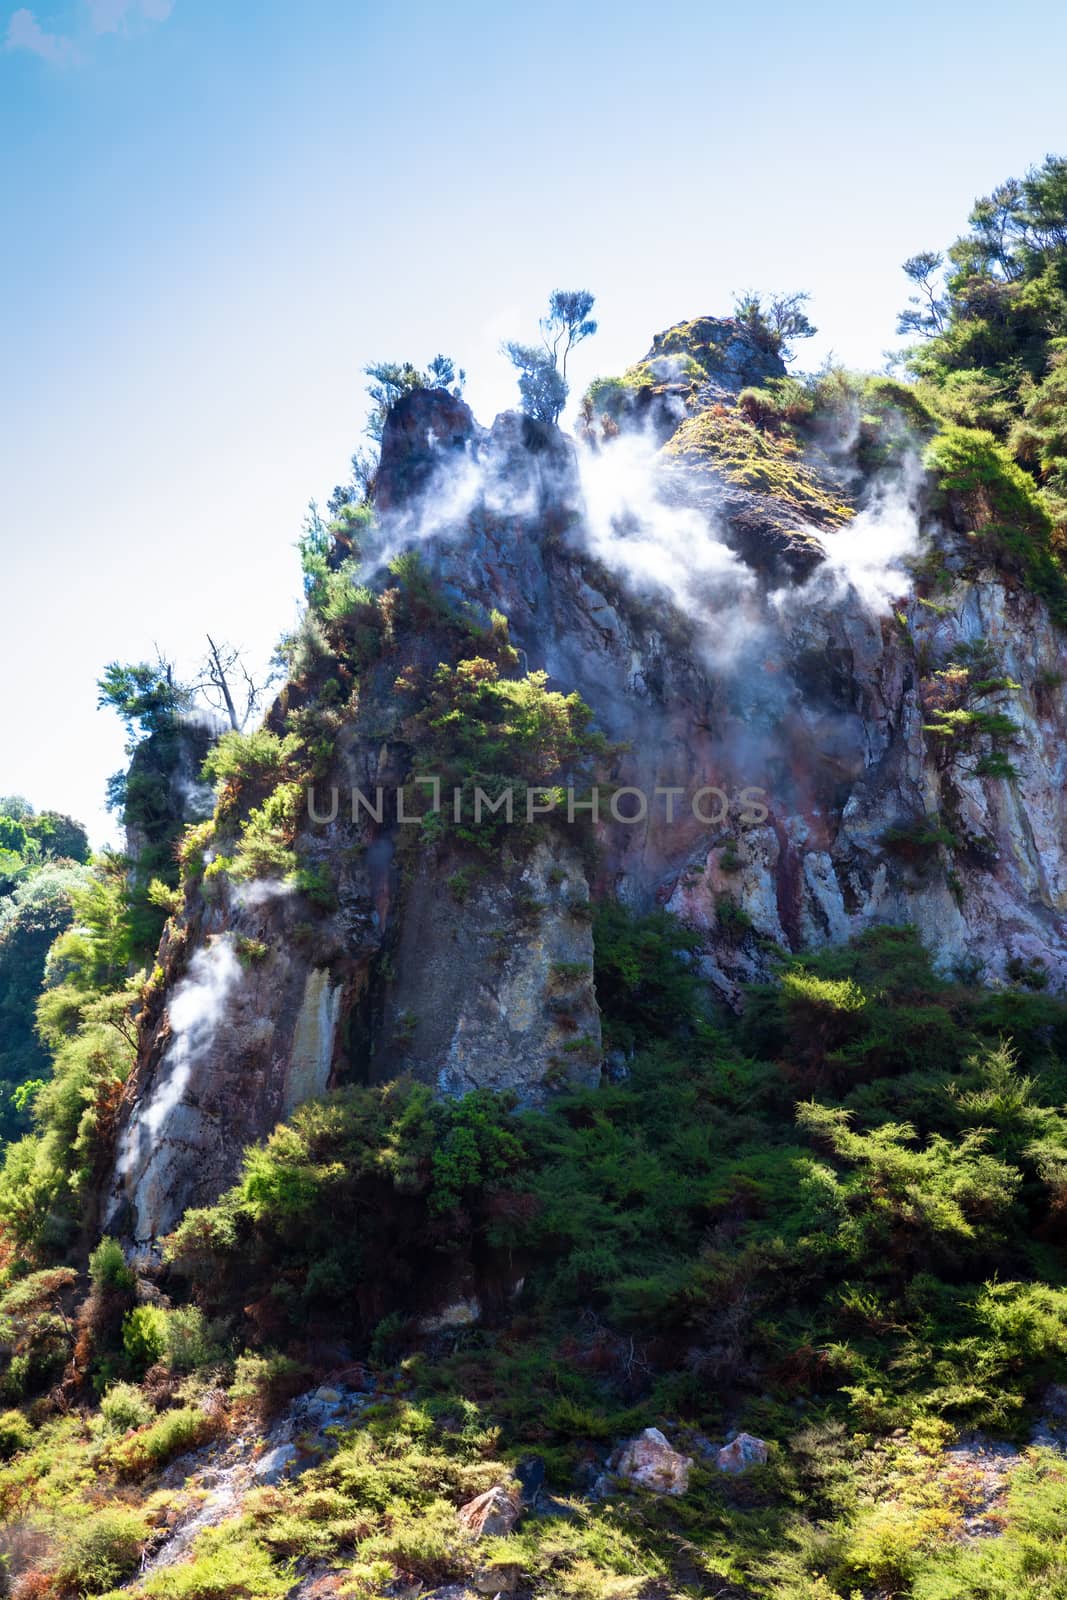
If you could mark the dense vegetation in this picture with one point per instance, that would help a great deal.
(42, 857)
(838, 1223)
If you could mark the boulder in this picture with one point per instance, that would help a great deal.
(742, 1452)
(498, 1577)
(325, 1396)
(649, 1462)
(492, 1514)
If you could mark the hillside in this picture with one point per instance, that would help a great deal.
(620, 987)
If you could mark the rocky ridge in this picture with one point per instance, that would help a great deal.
(770, 673)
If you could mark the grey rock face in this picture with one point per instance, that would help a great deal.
(773, 676)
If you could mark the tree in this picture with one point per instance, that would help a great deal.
(542, 387)
(926, 311)
(359, 491)
(30, 919)
(146, 696)
(59, 835)
(775, 323)
(543, 371)
(567, 324)
(224, 675)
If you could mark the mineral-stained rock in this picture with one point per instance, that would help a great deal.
(492, 1514)
(649, 1462)
(461, 1313)
(741, 1453)
(276, 1464)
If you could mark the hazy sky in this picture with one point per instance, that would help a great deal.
(218, 213)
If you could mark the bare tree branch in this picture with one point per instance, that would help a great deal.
(224, 674)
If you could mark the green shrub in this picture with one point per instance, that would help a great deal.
(123, 1407)
(15, 1434)
(101, 1550)
(109, 1269)
(227, 1564)
(263, 1380)
(189, 1344)
(144, 1336)
(250, 758)
(1002, 500)
(644, 973)
(170, 1435)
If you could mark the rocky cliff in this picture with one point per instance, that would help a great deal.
(819, 698)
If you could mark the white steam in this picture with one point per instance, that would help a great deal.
(253, 894)
(662, 548)
(869, 556)
(195, 1011)
(463, 482)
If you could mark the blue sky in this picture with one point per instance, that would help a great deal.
(217, 214)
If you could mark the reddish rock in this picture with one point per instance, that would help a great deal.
(492, 1514)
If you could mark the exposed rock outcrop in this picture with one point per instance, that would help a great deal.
(765, 700)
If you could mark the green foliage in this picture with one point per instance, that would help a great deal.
(304, 1224)
(391, 380)
(189, 1342)
(731, 917)
(151, 1447)
(39, 907)
(228, 1565)
(542, 388)
(1039, 436)
(15, 1434)
(124, 1407)
(476, 729)
(774, 322)
(250, 759)
(920, 840)
(995, 334)
(478, 1151)
(108, 1268)
(855, 1279)
(146, 696)
(645, 980)
(144, 1336)
(84, 1017)
(101, 1550)
(961, 720)
(543, 369)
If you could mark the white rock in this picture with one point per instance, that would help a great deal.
(273, 1467)
(649, 1462)
(741, 1453)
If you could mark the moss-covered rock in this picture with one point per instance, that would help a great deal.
(765, 463)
